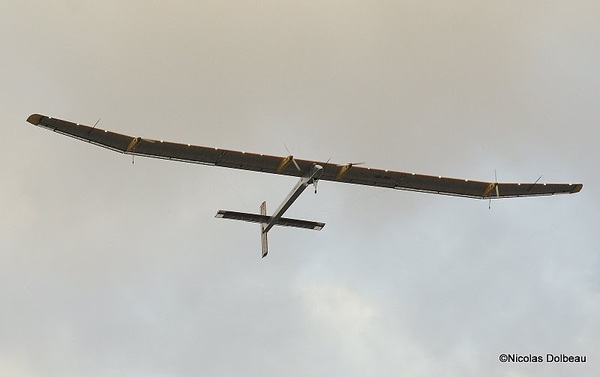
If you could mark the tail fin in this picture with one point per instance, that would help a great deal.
(263, 234)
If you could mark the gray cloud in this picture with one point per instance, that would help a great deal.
(120, 269)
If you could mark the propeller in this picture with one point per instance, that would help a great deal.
(496, 184)
(345, 167)
(95, 124)
(496, 187)
(536, 181)
(133, 145)
(350, 164)
(291, 158)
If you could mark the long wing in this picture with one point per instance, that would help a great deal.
(285, 166)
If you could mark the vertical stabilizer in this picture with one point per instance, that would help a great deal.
(263, 234)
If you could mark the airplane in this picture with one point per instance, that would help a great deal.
(309, 172)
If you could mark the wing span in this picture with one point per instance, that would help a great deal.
(282, 166)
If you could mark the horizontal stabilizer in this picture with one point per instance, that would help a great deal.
(264, 219)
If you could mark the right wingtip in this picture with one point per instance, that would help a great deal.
(34, 119)
(577, 188)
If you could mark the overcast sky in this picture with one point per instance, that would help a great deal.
(114, 269)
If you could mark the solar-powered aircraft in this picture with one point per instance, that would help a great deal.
(309, 172)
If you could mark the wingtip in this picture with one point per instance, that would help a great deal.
(34, 119)
(577, 188)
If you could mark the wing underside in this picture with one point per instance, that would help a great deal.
(280, 165)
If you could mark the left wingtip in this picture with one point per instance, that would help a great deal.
(577, 188)
(34, 119)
